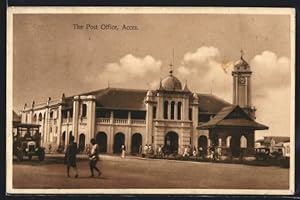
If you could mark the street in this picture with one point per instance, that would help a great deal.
(133, 172)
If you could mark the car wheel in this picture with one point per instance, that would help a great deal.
(41, 155)
(20, 156)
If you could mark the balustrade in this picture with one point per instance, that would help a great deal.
(121, 121)
(138, 121)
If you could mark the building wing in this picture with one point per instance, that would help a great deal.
(233, 116)
(133, 99)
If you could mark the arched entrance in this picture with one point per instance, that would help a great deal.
(136, 142)
(202, 142)
(63, 139)
(243, 142)
(81, 142)
(101, 140)
(235, 146)
(171, 143)
(119, 140)
(70, 135)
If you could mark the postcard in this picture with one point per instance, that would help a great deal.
(144, 100)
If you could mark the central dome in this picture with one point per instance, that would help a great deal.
(171, 83)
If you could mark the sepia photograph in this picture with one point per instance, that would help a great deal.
(143, 100)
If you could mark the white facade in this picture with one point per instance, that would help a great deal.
(169, 116)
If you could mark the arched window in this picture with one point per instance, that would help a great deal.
(51, 115)
(34, 118)
(84, 108)
(179, 111)
(219, 142)
(228, 141)
(40, 117)
(172, 109)
(190, 113)
(154, 112)
(166, 103)
(243, 142)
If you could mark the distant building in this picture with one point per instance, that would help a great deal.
(16, 118)
(171, 116)
(273, 142)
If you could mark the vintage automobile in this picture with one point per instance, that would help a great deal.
(285, 159)
(262, 153)
(27, 142)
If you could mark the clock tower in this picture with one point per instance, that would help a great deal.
(242, 86)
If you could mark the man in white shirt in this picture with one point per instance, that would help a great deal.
(94, 157)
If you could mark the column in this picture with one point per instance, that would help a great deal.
(67, 131)
(237, 95)
(75, 116)
(30, 116)
(67, 137)
(175, 110)
(128, 140)
(249, 91)
(160, 107)
(46, 134)
(111, 117)
(59, 121)
(149, 124)
(110, 139)
(129, 117)
(185, 109)
(169, 110)
(195, 123)
(91, 115)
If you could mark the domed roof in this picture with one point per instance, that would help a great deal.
(241, 64)
(171, 83)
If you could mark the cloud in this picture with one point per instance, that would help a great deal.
(270, 71)
(270, 83)
(204, 72)
(134, 66)
(272, 89)
(129, 70)
(202, 55)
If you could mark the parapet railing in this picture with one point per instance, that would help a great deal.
(121, 121)
(138, 121)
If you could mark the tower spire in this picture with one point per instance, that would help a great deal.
(171, 69)
(172, 63)
(242, 53)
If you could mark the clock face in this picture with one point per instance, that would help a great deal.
(242, 80)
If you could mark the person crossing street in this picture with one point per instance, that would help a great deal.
(94, 158)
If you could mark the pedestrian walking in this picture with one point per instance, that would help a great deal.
(159, 151)
(123, 151)
(50, 148)
(145, 151)
(94, 157)
(194, 152)
(201, 152)
(70, 157)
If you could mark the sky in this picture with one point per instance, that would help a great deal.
(51, 57)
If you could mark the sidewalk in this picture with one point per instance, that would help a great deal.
(85, 156)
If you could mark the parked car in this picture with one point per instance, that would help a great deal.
(262, 153)
(285, 159)
(27, 142)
